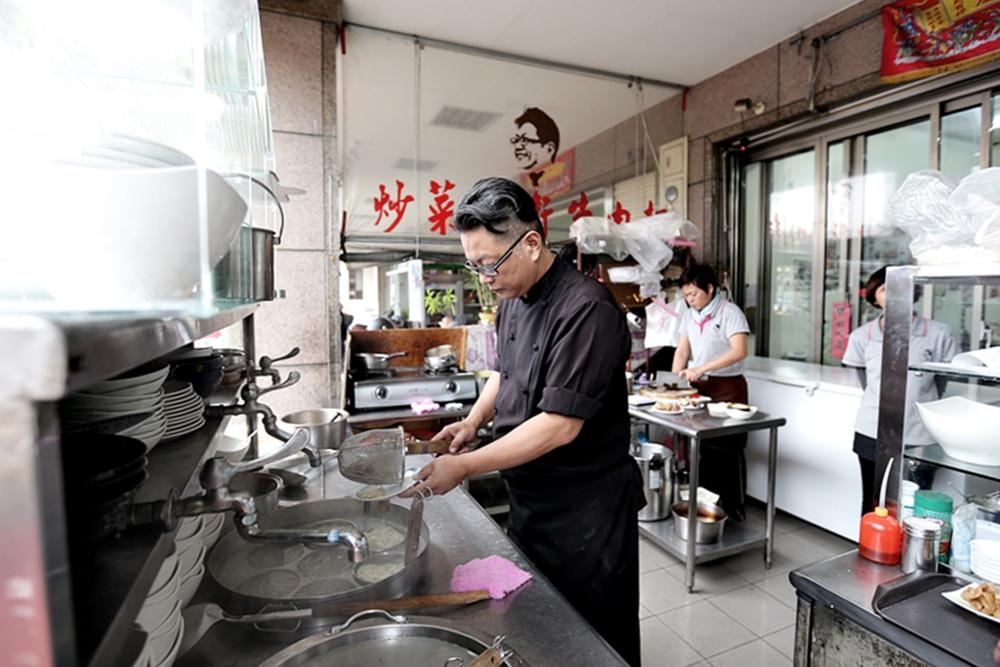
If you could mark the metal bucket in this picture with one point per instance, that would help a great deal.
(708, 528)
(655, 463)
(327, 426)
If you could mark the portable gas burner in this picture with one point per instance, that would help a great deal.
(403, 386)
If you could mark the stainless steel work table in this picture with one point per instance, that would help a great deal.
(539, 623)
(844, 586)
(737, 536)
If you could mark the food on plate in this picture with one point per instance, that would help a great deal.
(983, 598)
(740, 406)
(670, 408)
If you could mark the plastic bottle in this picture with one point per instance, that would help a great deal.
(880, 539)
(936, 505)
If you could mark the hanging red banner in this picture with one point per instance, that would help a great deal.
(553, 179)
(925, 37)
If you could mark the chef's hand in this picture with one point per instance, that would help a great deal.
(438, 477)
(461, 433)
(692, 374)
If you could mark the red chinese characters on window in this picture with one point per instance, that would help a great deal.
(385, 206)
(649, 209)
(620, 214)
(578, 207)
(541, 202)
(443, 207)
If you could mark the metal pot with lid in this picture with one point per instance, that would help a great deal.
(656, 465)
(440, 358)
(378, 637)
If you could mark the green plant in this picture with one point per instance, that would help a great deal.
(487, 299)
(440, 302)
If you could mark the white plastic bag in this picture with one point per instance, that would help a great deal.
(921, 207)
(595, 236)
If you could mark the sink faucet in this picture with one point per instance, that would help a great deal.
(215, 476)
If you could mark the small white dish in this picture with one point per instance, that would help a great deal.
(190, 584)
(956, 598)
(190, 557)
(734, 413)
(717, 410)
(171, 656)
(154, 615)
(169, 570)
(188, 529)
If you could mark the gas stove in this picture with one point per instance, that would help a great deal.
(401, 386)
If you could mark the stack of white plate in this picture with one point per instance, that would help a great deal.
(194, 537)
(183, 408)
(160, 616)
(131, 406)
(985, 560)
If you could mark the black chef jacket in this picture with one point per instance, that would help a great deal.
(562, 349)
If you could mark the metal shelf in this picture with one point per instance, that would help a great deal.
(737, 537)
(935, 455)
(99, 348)
(111, 581)
(961, 372)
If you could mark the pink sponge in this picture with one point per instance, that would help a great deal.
(494, 573)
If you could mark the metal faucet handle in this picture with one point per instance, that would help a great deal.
(298, 441)
(292, 378)
(266, 362)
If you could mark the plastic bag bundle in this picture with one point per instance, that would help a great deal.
(947, 221)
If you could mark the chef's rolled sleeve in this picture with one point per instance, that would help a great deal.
(590, 349)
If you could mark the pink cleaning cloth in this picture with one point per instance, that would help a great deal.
(494, 573)
(424, 406)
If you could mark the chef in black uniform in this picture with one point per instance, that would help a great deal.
(560, 415)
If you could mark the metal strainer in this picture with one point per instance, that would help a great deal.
(374, 457)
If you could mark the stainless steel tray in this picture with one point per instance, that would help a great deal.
(390, 641)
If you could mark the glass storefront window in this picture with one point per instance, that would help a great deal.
(791, 200)
(959, 145)
(751, 216)
(837, 292)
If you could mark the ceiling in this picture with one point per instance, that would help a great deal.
(392, 92)
(683, 42)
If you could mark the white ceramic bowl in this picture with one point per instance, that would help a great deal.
(733, 413)
(190, 584)
(717, 410)
(233, 449)
(967, 430)
(211, 535)
(169, 570)
(188, 529)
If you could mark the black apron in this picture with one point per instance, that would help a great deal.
(583, 534)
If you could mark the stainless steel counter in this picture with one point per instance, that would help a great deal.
(845, 585)
(539, 624)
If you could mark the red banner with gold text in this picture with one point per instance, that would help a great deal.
(925, 37)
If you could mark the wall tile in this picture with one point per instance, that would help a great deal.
(293, 53)
(327, 10)
(696, 160)
(300, 318)
(300, 165)
(696, 205)
(665, 121)
(594, 158)
(710, 103)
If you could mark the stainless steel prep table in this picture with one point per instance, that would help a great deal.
(835, 623)
(539, 623)
(737, 536)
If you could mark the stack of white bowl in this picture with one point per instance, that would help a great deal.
(105, 406)
(160, 617)
(985, 560)
(194, 537)
(184, 409)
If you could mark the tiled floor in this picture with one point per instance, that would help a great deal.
(740, 613)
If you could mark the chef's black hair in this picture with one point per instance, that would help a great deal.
(701, 275)
(877, 279)
(501, 206)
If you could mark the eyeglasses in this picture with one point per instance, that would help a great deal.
(524, 139)
(490, 270)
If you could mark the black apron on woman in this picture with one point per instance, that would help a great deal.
(573, 511)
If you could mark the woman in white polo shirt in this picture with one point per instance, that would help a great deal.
(929, 341)
(710, 353)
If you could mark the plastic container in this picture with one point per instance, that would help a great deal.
(936, 505)
(880, 539)
(907, 496)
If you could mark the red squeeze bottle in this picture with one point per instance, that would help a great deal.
(880, 539)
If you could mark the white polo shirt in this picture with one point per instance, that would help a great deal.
(929, 341)
(709, 337)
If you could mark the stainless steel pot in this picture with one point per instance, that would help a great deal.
(378, 637)
(655, 463)
(708, 528)
(234, 365)
(263, 487)
(376, 361)
(440, 358)
(327, 427)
